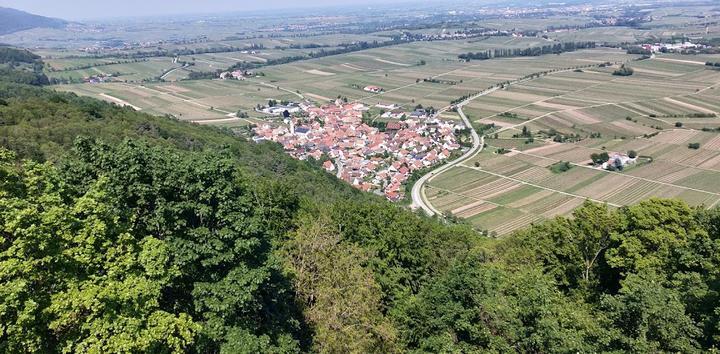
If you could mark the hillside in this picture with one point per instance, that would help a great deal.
(12, 21)
(124, 232)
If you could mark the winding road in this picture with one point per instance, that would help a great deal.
(418, 192)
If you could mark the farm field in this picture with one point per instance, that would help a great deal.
(504, 192)
(660, 94)
(138, 71)
(197, 101)
(395, 68)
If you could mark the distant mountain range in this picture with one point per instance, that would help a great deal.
(12, 21)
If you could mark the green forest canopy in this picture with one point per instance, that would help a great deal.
(123, 232)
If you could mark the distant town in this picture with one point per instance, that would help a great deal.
(369, 158)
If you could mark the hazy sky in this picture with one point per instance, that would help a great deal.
(87, 9)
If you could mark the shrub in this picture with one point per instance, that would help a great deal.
(560, 167)
(623, 71)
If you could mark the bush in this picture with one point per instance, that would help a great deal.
(694, 146)
(560, 167)
(599, 159)
(623, 71)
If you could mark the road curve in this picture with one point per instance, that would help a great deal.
(418, 193)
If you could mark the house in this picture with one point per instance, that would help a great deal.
(302, 130)
(390, 106)
(393, 127)
(618, 161)
(418, 114)
(360, 107)
(395, 114)
(373, 89)
(279, 110)
(329, 166)
(238, 75)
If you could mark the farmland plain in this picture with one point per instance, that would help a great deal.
(397, 69)
(572, 106)
(505, 191)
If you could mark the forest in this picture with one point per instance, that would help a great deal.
(125, 232)
(21, 66)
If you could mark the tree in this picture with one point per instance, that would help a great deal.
(340, 296)
(650, 317)
(143, 259)
(74, 278)
(570, 250)
(600, 158)
(594, 225)
(526, 132)
(632, 154)
(485, 308)
(653, 231)
(623, 71)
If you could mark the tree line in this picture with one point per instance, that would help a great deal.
(94, 65)
(526, 52)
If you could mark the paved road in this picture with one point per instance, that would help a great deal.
(170, 72)
(299, 95)
(418, 192)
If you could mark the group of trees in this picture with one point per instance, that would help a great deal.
(525, 52)
(560, 167)
(96, 64)
(439, 81)
(175, 52)
(623, 71)
(354, 47)
(525, 133)
(639, 50)
(21, 66)
(123, 232)
(599, 159)
(10, 55)
(647, 274)
(142, 259)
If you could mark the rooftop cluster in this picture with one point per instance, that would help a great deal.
(364, 156)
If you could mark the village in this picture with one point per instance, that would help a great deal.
(369, 158)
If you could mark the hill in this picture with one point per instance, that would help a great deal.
(12, 21)
(124, 232)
